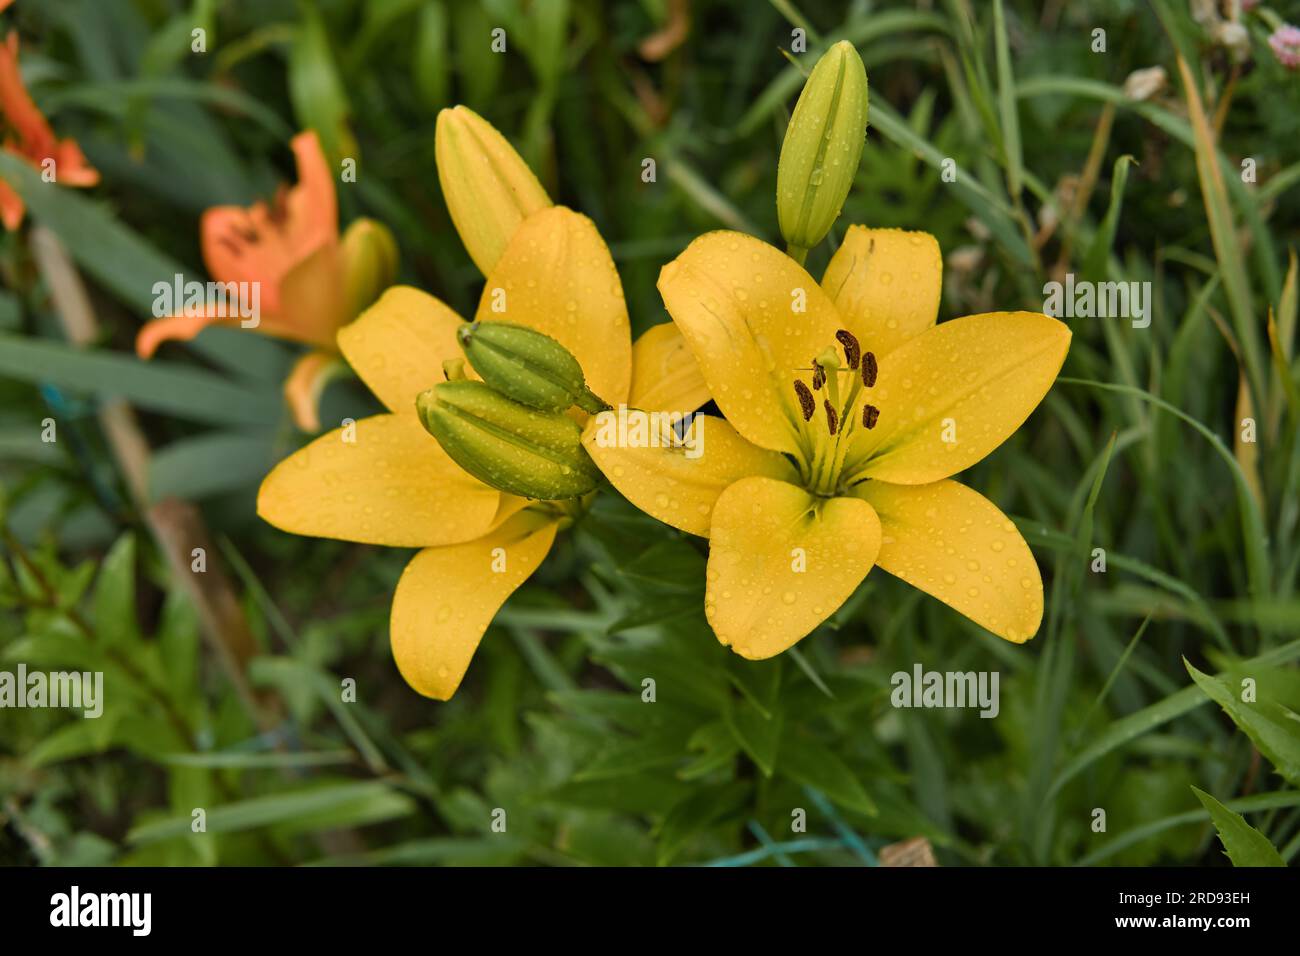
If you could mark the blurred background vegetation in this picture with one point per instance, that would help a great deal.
(225, 694)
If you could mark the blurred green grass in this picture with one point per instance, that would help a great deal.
(1137, 452)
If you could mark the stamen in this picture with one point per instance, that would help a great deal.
(832, 418)
(869, 369)
(806, 403)
(819, 377)
(852, 350)
(279, 211)
(870, 414)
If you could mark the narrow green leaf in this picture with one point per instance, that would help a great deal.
(209, 464)
(1094, 261)
(180, 390)
(629, 756)
(264, 811)
(112, 253)
(808, 762)
(1010, 119)
(1244, 845)
(114, 599)
(320, 101)
(1273, 728)
(1126, 729)
(432, 66)
(758, 735)
(1223, 233)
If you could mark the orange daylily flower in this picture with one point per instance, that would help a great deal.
(27, 134)
(311, 282)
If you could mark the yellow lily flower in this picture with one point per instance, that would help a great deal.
(385, 480)
(847, 412)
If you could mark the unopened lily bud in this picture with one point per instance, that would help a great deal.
(528, 366)
(369, 257)
(513, 448)
(822, 147)
(488, 187)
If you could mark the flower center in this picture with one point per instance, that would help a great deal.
(829, 426)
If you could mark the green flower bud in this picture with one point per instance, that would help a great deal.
(822, 147)
(369, 254)
(528, 366)
(513, 448)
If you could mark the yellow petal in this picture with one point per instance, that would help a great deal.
(665, 375)
(781, 561)
(954, 544)
(886, 283)
(667, 482)
(397, 345)
(488, 187)
(307, 380)
(448, 596)
(393, 485)
(952, 394)
(736, 300)
(557, 277)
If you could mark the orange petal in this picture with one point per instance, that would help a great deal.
(11, 207)
(307, 380)
(312, 204)
(263, 243)
(35, 138)
(182, 328)
(174, 328)
(312, 305)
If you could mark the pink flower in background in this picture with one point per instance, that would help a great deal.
(1285, 42)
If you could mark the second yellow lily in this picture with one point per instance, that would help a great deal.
(847, 412)
(385, 480)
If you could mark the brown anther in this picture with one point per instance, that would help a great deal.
(806, 403)
(870, 414)
(832, 418)
(869, 369)
(819, 377)
(852, 350)
(279, 210)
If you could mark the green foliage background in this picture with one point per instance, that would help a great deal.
(1127, 699)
